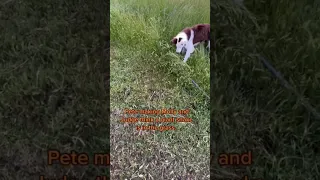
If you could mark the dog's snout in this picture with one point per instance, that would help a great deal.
(183, 50)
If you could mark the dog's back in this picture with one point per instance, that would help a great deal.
(201, 32)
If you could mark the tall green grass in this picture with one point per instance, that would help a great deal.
(146, 73)
(145, 28)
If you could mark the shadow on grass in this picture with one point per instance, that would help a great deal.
(251, 109)
(53, 86)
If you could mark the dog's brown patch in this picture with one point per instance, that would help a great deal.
(201, 32)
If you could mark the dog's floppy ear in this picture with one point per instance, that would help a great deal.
(174, 41)
(200, 26)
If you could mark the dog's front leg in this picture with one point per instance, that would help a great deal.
(186, 57)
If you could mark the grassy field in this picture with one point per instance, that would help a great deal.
(147, 74)
(251, 110)
(53, 76)
(53, 91)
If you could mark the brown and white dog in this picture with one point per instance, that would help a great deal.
(190, 37)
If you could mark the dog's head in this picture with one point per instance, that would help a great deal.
(181, 42)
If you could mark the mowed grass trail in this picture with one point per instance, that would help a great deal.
(52, 86)
(251, 109)
(147, 74)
